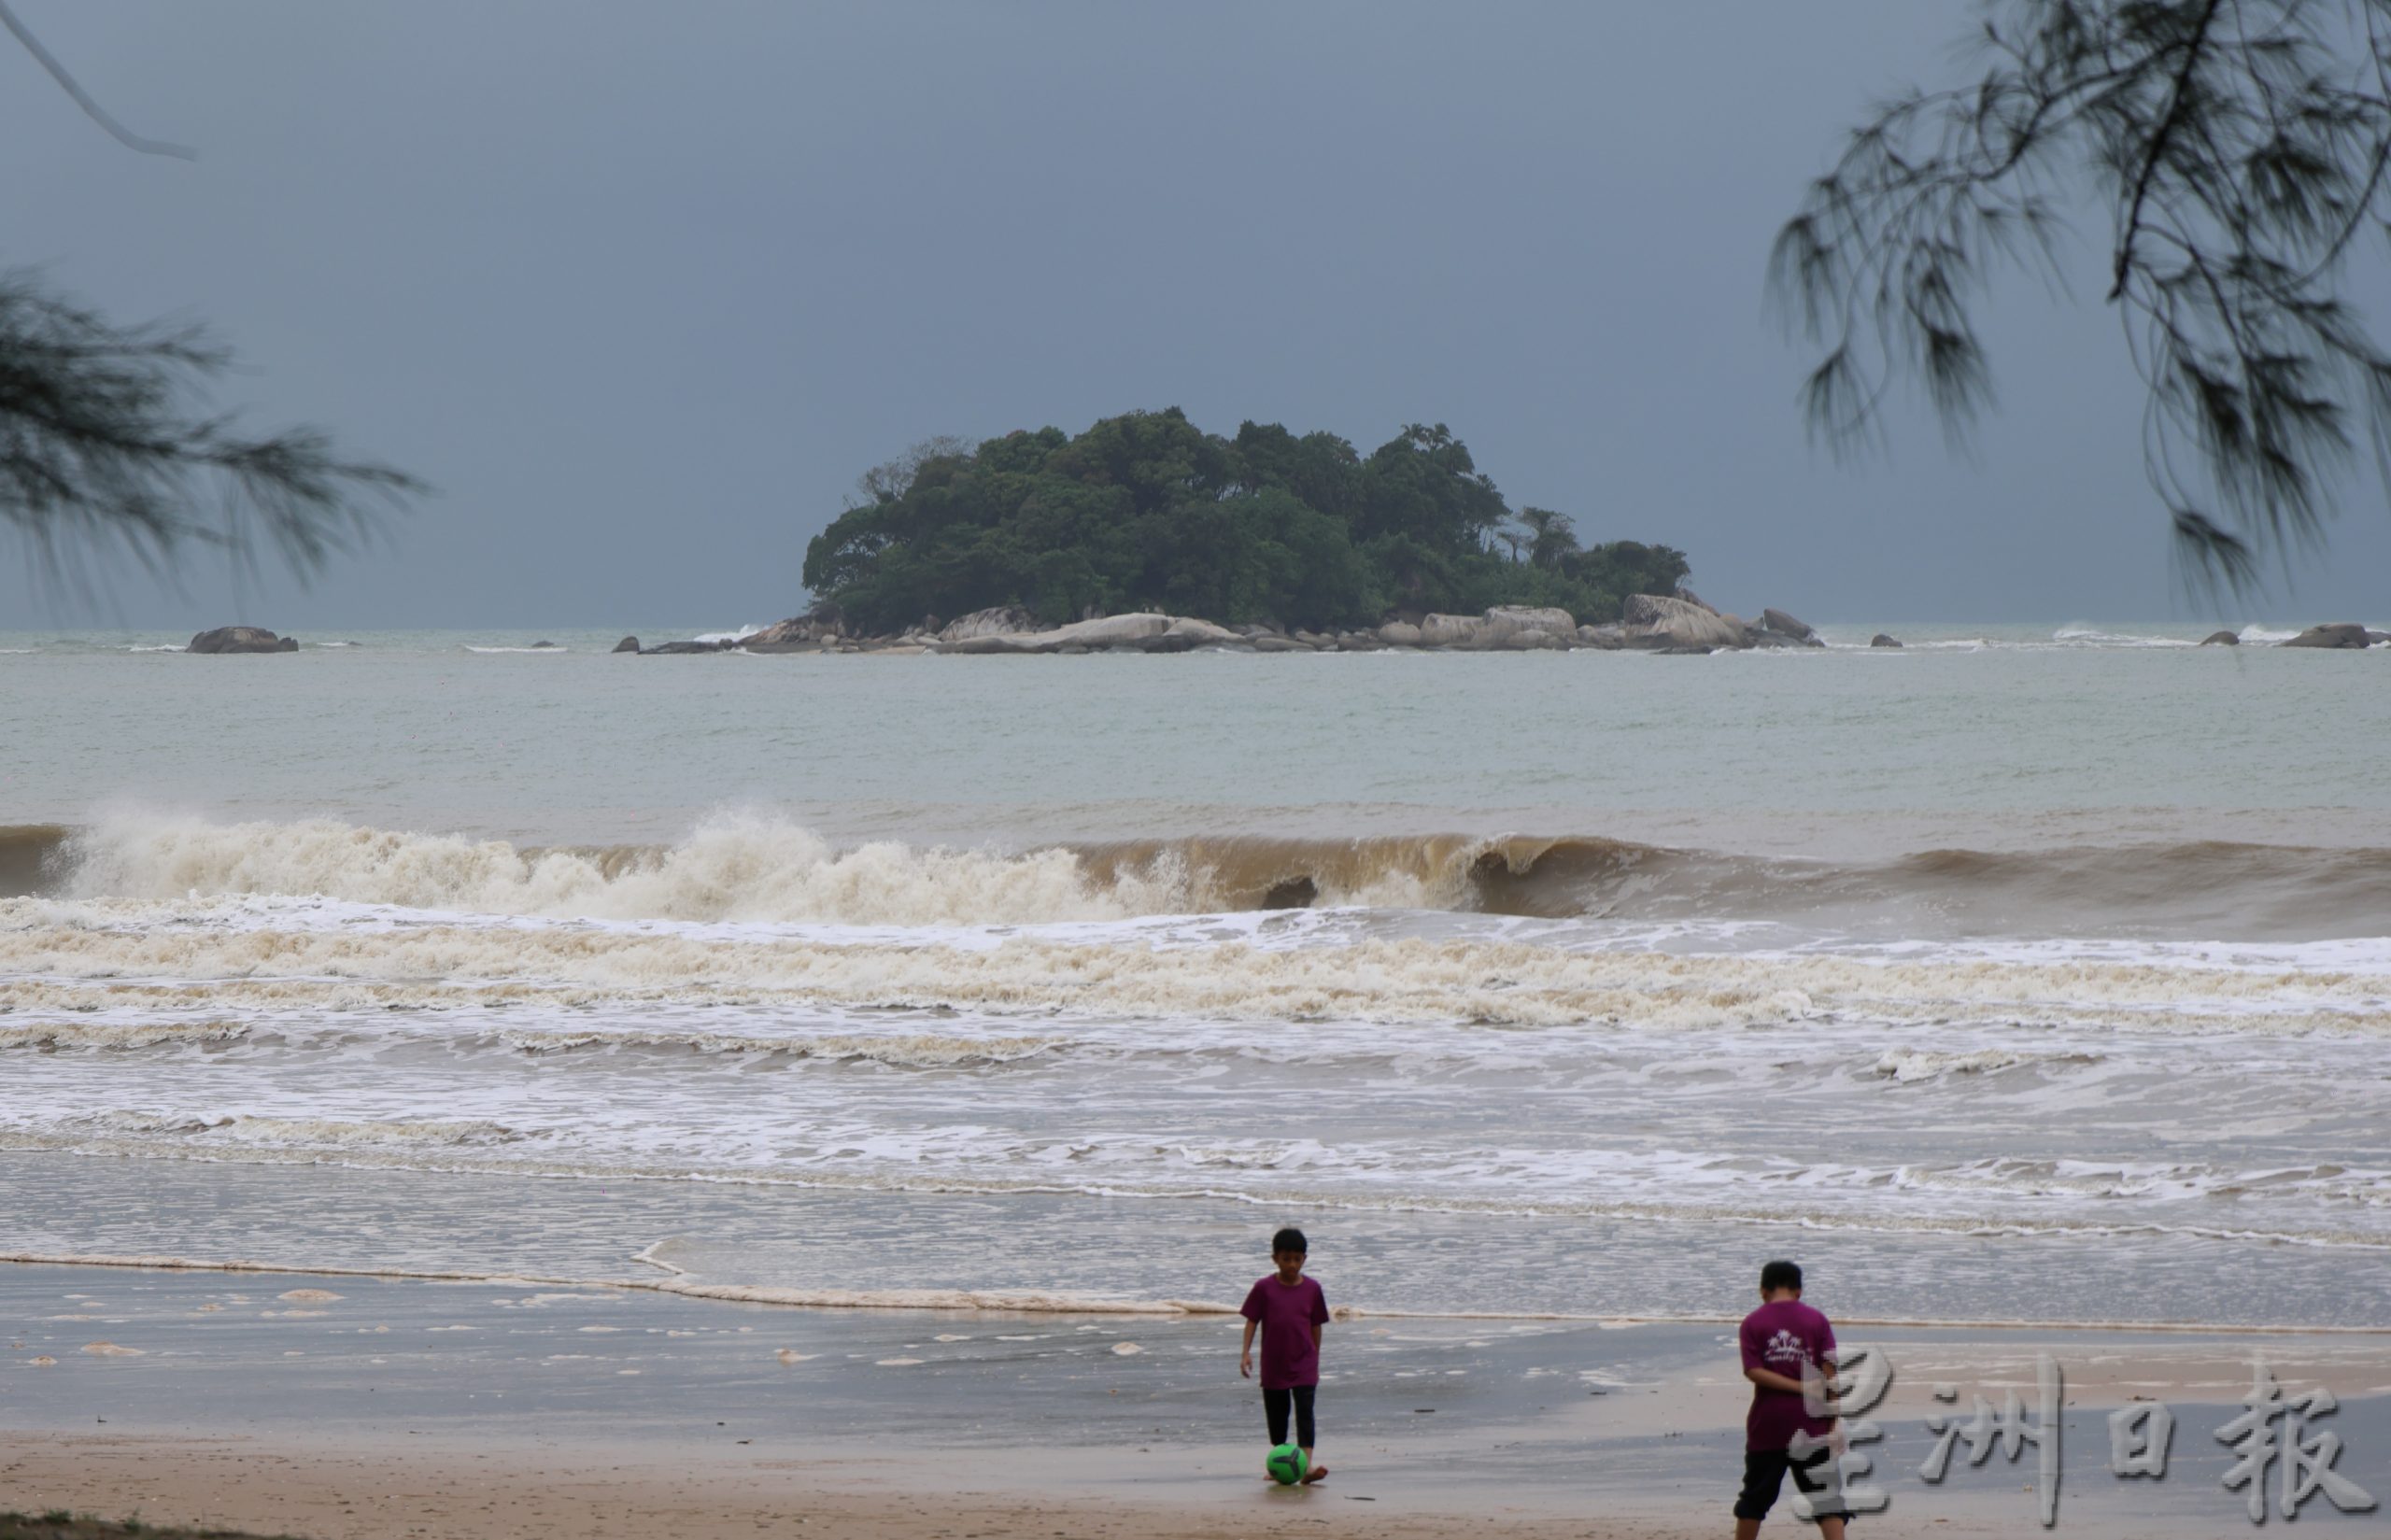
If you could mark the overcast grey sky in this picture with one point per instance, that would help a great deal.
(643, 288)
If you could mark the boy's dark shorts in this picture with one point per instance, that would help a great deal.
(1765, 1475)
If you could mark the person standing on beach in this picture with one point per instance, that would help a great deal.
(1784, 1342)
(1288, 1309)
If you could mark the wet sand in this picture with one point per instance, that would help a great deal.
(408, 1407)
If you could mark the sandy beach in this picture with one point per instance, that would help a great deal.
(340, 1408)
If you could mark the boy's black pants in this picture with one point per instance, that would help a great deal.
(1274, 1406)
(1764, 1473)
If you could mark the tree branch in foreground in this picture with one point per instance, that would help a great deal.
(2240, 147)
(100, 449)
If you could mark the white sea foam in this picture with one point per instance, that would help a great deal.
(1908, 1065)
(2081, 635)
(49, 966)
(311, 1133)
(116, 1034)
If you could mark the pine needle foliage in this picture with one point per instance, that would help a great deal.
(106, 444)
(2240, 149)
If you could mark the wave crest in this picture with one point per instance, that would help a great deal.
(754, 868)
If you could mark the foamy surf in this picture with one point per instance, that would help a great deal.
(758, 868)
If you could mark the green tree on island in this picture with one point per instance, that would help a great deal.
(1145, 511)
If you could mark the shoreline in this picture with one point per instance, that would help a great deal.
(434, 1409)
(997, 1302)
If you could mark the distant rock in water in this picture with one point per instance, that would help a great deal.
(628, 645)
(1399, 633)
(536, 645)
(1660, 623)
(2221, 638)
(675, 649)
(1785, 626)
(2338, 634)
(1881, 639)
(245, 638)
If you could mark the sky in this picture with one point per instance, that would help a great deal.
(644, 289)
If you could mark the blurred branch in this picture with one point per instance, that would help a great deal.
(101, 447)
(92, 110)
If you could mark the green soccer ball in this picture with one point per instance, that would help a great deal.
(1285, 1464)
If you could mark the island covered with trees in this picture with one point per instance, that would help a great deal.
(1145, 512)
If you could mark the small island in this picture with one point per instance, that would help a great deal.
(1145, 512)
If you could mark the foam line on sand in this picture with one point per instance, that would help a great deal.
(1029, 1302)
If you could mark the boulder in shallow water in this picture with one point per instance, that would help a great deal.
(2221, 638)
(677, 649)
(628, 645)
(1785, 626)
(1399, 633)
(242, 639)
(1609, 639)
(1881, 639)
(2338, 634)
(1658, 622)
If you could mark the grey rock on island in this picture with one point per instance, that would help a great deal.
(2221, 638)
(242, 639)
(1669, 624)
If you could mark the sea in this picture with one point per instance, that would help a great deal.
(2024, 973)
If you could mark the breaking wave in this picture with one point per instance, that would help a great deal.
(754, 868)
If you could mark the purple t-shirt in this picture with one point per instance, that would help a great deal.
(1289, 1356)
(1783, 1336)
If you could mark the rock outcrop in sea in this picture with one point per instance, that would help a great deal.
(2338, 634)
(241, 639)
(1662, 623)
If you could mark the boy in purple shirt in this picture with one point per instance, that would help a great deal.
(1289, 1309)
(1782, 1341)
